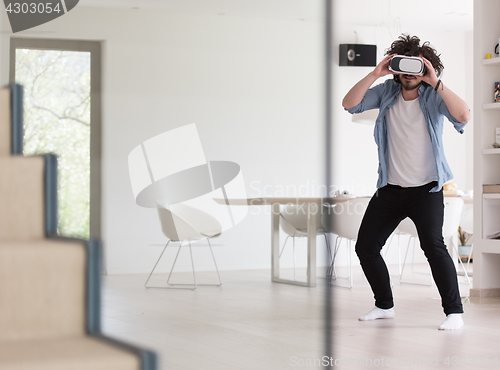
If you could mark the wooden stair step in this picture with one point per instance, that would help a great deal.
(22, 197)
(67, 353)
(42, 289)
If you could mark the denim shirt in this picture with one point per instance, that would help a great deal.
(384, 96)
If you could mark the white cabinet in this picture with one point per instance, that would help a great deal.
(486, 114)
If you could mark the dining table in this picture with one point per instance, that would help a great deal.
(312, 205)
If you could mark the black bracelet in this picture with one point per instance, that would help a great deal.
(437, 85)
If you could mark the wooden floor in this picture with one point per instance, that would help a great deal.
(251, 323)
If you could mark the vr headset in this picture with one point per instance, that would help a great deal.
(407, 65)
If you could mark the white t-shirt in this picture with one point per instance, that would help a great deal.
(410, 159)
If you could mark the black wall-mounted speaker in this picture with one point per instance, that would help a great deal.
(358, 55)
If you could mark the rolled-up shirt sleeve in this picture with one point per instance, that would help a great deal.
(443, 109)
(371, 100)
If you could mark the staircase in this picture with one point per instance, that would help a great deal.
(49, 285)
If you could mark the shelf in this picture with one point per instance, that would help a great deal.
(486, 164)
(490, 246)
(491, 151)
(491, 62)
(491, 106)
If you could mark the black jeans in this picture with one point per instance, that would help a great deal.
(387, 208)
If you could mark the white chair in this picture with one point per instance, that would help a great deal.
(344, 220)
(186, 224)
(467, 225)
(408, 227)
(293, 221)
(452, 214)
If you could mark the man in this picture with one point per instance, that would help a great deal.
(412, 171)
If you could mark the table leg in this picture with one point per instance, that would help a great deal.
(312, 210)
(275, 252)
(275, 241)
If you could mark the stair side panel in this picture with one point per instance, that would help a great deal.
(42, 289)
(22, 195)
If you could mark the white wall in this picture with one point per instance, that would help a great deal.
(253, 86)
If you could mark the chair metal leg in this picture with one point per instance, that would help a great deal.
(146, 283)
(215, 263)
(195, 284)
(284, 245)
(329, 251)
(192, 265)
(337, 247)
(191, 286)
(404, 264)
(174, 286)
(330, 257)
(170, 274)
(328, 270)
(413, 262)
(349, 267)
(470, 255)
(388, 243)
(331, 269)
(175, 260)
(466, 275)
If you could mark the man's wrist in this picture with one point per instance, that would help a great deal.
(439, 85)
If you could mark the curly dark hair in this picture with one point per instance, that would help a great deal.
(406, 43)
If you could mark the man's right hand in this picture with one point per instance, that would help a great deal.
(382, 69)
(356, 94)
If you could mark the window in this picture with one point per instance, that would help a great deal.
(61, 81)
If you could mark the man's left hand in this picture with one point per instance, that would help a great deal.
(430, 77)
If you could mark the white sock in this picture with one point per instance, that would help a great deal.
(453, 321)
(378, 313)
